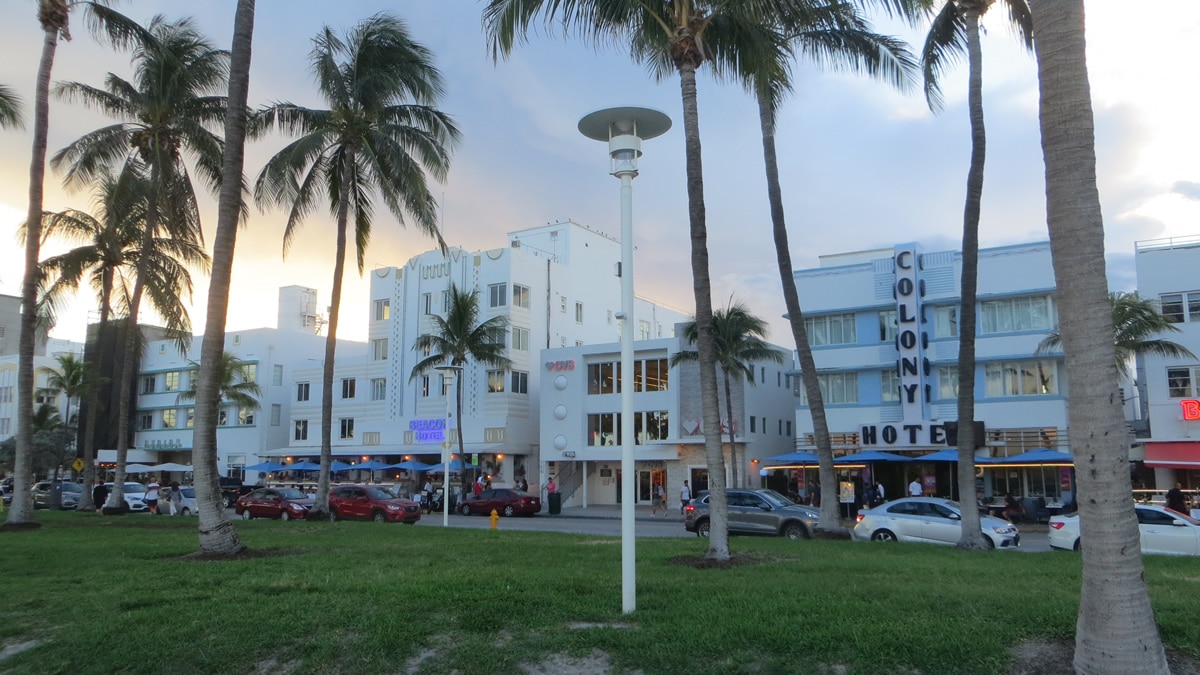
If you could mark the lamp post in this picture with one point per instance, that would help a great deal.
(624, 129)
(449, 373)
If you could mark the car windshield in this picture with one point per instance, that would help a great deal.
(188, 492)
(71, 487)
(380, 493)
(1184, 517)
(134, 487)
(291, 493)
(774, 498)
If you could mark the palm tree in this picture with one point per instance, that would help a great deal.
(740, 344)
(108, 255)
(54, 18)
(166, 111)
(955, 29)
(457, 339)
(234, 385)
(837, 37)
(381, 133)
(10, 108)
(217, 535)
(72, 379)
(1136, 321)
(1115, 631)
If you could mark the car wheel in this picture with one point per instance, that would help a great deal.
(284, 515)
(991, 545)
(883, 535)
(379, 517)
(509, 511)
(795, 531)
(465, 510)
(1078, 546)
(227, 500)
(702, 529)
(333, 514)
(185, 512)
(246, 515)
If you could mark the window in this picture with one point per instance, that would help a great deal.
(378, 389)
(425, 386)
(889, 386)
(346, 427)
(168, 419)
(171, 381)
(148, 384)
(250, 372)
(348, 387)
(6, 394)
(520, 339)
(277, 375)
(497, 295)
(301, 432)
(190, 418)
(887, 325)
(1180, 307)
(836, 388)
(602, 378)
(379, 349)
(5, 423)
(948, 382)
(446, 302)
(371, 437)
(145, 421)
(1016, 314)
(643, 330)
(427, 302)
(301, 391)
(1181, 382)
(520, 382)
(946, 318)
(562, 304)
(1021, 378)
(836, 329)
(495, 379)
(222, 417)
(604, 429)
(383, 310)
(656, 372)
(276, 414)
(520, 296)
(753, 425)
(245, 416)
(579, 312)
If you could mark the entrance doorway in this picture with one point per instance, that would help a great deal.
(698, 480)
(647, 478)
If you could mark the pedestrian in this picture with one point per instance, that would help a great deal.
(175, 497)
(1176, 501)
(99, 494)
(870, 496)
(880, 494)
(914, 488)
(685, 496)
(655, 498)
(151, 498)
(551, 486)
(478, 485)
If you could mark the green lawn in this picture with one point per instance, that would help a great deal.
(114, 595)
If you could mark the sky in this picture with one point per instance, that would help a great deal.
(862, 165)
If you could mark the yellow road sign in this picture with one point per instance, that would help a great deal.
(77, 464)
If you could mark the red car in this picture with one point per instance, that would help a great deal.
(281, 503)
(505, 501)
(371, 502)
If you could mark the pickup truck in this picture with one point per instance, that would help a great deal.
(231, 489)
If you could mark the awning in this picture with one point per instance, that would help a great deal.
(1176, 454)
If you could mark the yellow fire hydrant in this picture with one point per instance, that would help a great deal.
(495, 517)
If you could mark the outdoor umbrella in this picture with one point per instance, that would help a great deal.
(336, 466)
(139, 468)
(170, 466)
(951, 455)
(792, 459)
(370, 466)
(867, 456)
(410, 465)
(455, 465)
(268, 467)
(1039, 456)
(303, 466)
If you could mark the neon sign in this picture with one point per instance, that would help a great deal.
(428, 431)
(1191, 409)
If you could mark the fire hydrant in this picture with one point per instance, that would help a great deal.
(495, 517)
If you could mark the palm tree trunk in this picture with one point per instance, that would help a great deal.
(830, 518)
(733, 460)
(1115, 630)
(718, 542)
(321, 508)
(93, 409)
(462, 458)
(53, 16)
(972, 536)
(217, 534)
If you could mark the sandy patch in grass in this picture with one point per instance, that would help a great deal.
(595, 663)
(8, 649)
(1057, 658)
(273, 667)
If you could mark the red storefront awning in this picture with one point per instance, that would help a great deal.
(1175, 454)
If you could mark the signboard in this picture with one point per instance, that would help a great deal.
(846, 492)
(428, 431)
(77, 464)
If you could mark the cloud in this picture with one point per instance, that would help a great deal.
(1189, 189)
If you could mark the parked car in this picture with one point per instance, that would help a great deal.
(371, 502)
(931, 520)
(43, 494)
(1163, 531)
(763, 512)
(6, 488)
(232, 489)
(505, 501)
(188, 508)
(281, 503)
(134, 494)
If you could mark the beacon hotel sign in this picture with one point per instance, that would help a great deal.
(912, 339)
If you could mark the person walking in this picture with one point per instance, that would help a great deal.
(880, 494)
(1176, 500)
(151, 499)
(685, 496)
(175, 497)
(914, 488)
(655, 498)
(99, 494)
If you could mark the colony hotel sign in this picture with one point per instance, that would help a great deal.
(912, 338)
(428, 431)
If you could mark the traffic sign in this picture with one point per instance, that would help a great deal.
(77, 464)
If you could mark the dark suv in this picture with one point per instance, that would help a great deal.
(755, 512)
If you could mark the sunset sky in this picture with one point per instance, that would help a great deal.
(862, 166)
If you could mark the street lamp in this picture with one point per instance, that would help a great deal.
(449, 373)
(624, 129)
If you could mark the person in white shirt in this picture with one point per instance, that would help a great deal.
(685, 496)
(914, 488)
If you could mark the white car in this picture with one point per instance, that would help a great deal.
(930, 520)
(134, 494)
(186, 508)
(1164, 531)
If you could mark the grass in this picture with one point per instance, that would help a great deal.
(123, 595)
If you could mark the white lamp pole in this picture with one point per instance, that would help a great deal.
(449, 373)
(623, 129)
